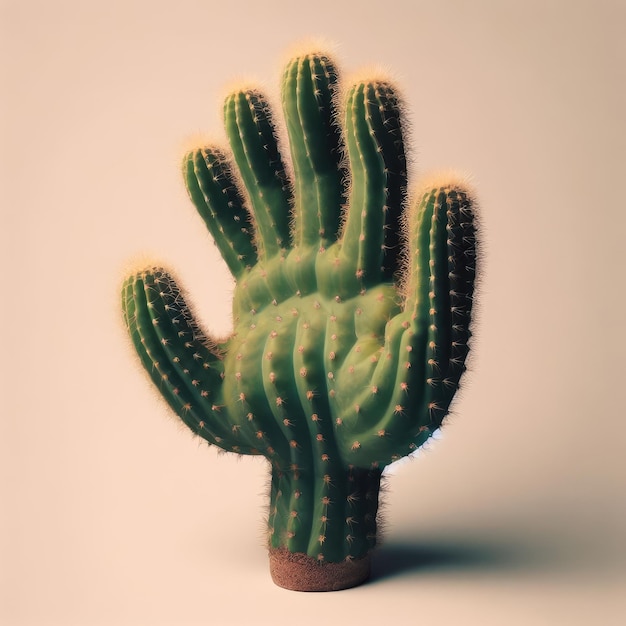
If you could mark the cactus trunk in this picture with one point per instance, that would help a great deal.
(325, 519)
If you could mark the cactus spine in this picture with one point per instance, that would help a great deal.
(351, 325)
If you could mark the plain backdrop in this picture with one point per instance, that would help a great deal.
(111, 514)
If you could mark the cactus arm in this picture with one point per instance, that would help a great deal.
(384, 111)
(188, 379)
(361, 241)
(371, 237)
(252, 139)
(137, 321)
(308, 95)
(461, 275)
(447, 213)
(377, 163)
(426, 344)
(212, 189)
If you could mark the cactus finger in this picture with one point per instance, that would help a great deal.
(439, 299)
(370, 243)
(212, 189)
(309, 90)
(176, 355)
(252, 138)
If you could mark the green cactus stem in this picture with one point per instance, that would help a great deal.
(351, 311)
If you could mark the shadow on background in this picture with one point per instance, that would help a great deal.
(398, 558)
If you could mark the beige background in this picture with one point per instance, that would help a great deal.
(112, 514)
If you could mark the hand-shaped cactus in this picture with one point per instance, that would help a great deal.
(351, 311)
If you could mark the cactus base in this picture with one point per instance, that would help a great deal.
(300, 572)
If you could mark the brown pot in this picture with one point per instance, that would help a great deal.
(300, 572)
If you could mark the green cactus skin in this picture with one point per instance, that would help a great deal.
(351, 326)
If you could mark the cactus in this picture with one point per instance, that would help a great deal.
(351, 311)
